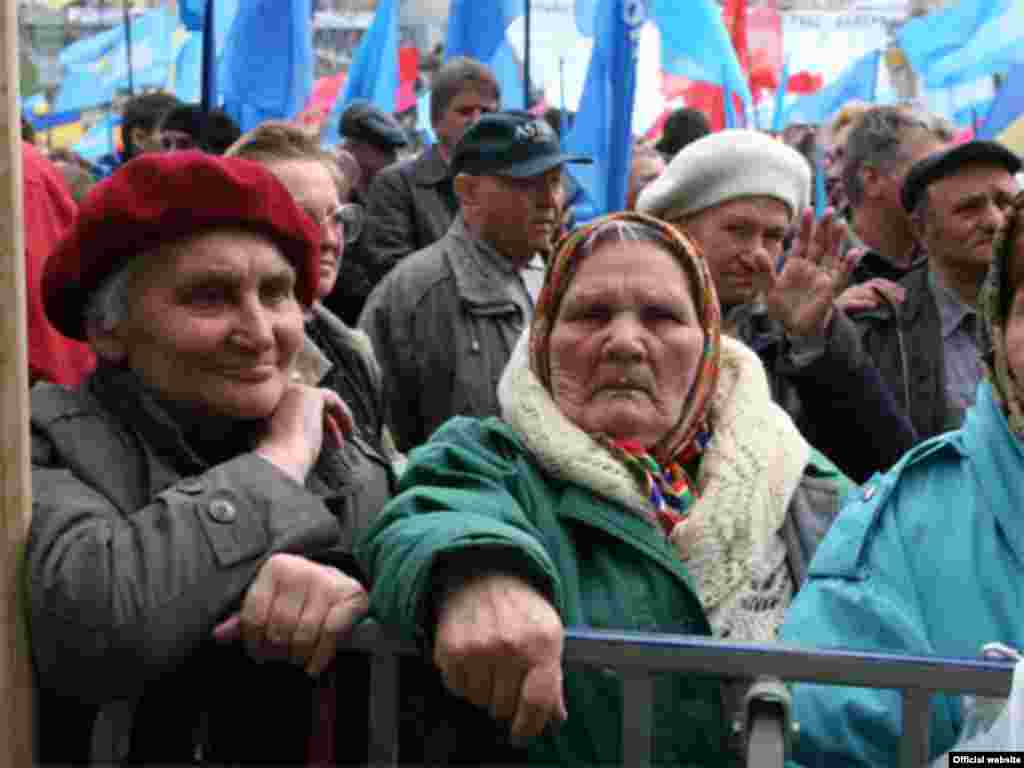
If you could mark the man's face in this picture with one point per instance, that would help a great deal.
(733, 236)
(464, 110)
(965, 211)
(889, 182)
(520, 217)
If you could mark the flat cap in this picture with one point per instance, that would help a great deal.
(724, 166)
(158, 198)
(514, 144)
(947, 162)
(364, 122)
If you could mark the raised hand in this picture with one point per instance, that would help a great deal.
(802, 294)
(499, 645)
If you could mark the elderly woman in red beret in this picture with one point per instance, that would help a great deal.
(194, 505)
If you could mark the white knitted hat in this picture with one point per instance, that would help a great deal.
(726, 165)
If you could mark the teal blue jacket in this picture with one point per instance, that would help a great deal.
(473, 486)
(927, 559)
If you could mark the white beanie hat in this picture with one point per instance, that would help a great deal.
(724, 166)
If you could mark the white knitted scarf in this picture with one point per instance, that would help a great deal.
(731, 543)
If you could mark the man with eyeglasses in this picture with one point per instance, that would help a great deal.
(445, 320)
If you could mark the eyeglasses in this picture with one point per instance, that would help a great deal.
(346, 219)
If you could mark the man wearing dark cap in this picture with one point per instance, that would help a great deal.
(445, 320)
(927, 350)
(372, 138)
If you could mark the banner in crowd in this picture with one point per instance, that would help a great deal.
(96, 68)
(964, 41)
(1005, 120)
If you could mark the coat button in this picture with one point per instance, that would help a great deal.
(191, 485)
(222, 511)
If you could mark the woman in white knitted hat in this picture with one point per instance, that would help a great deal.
(640, 478)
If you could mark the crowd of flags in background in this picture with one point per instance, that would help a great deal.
(730, 60)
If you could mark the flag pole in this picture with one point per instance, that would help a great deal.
(208, 97)
(16, 703)
(526, 54)
(128, 45)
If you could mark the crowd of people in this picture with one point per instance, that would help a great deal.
(280, 389)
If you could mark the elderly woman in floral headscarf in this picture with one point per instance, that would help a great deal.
(640, 478)
(930, 559)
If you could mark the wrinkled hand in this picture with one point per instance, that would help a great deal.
(295, 431)
(871, 295)
(499, 645)
(296, 611)
(802, 294)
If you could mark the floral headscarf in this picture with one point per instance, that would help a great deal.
(658, 470)
(994, 301)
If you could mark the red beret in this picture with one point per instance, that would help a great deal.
(158, 198)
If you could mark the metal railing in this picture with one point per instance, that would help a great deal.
(638, 657)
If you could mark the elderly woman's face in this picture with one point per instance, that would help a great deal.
(626, 343)
(213, 324)
(315, 192)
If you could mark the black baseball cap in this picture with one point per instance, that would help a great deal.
(515, 144)
(363, 121)
(939, 165)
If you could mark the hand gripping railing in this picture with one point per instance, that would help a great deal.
(639, 656)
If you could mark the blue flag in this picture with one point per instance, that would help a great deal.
(266, 71)
(189, 69)
(964, 41)
(603, 129)
(1008, 107)
(99, 140)
(374, 72)
(859, 82)
(96, 68)
(695, 44)
(423, 124)
(477, 29)
(779, 115)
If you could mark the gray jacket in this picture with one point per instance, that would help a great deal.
(409, 206)
(443, 325)
(144, 538)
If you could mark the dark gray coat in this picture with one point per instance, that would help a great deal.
(906, 345)
(443, 326)
(409, 206)
(142, 540)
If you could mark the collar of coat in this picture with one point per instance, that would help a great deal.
(748, 473)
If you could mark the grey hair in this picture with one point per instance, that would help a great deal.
(878, 139)
(109, 304)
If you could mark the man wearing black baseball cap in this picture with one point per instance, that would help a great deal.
(957, 201)
(444, 321)
(373, 137)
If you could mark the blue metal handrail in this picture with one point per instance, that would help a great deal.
(638, 656)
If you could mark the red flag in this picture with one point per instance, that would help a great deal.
(735, 17)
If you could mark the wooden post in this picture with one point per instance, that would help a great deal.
(16, 696)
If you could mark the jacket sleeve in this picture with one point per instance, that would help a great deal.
(860, 595)
(459, 495)
(390, 324)
(390, 227)
(848, 411)
(119, 597)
